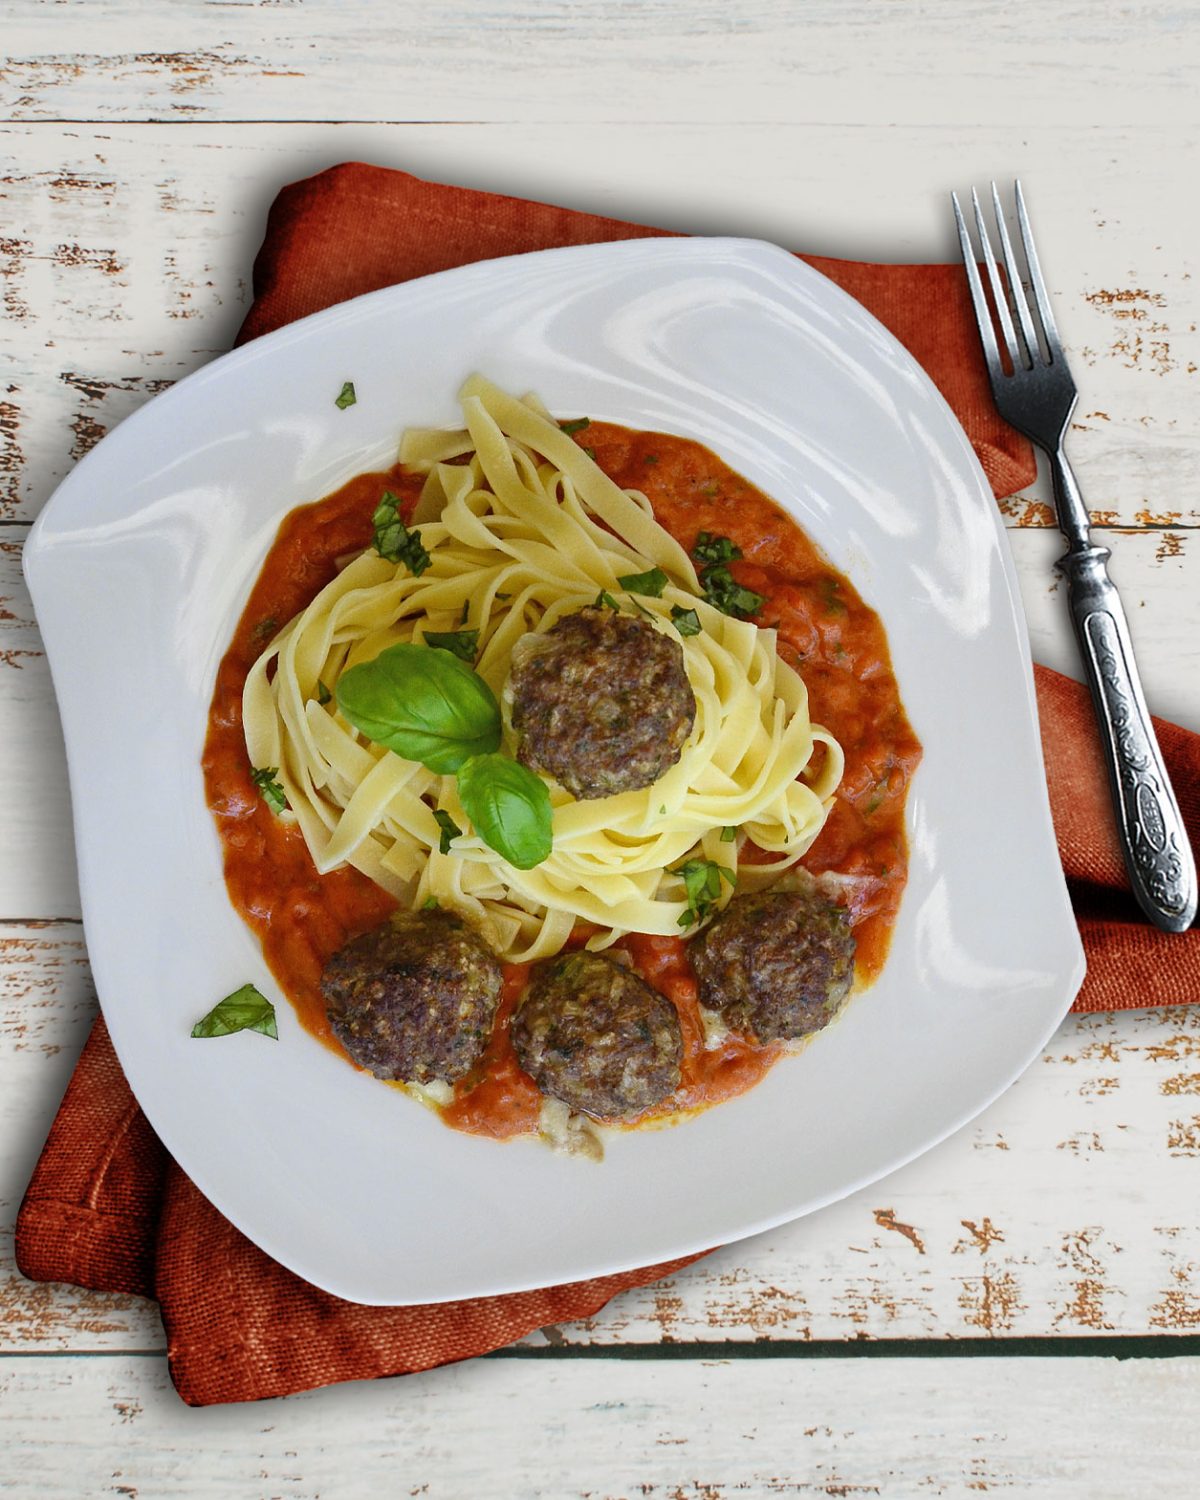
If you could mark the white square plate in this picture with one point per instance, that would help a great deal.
(140, 565)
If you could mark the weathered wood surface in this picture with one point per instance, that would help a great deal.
(125, 255)
(647, 1429)
(1068, 1208)
(859, 62)
(132, 200)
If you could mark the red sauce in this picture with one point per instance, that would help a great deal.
(825, 631)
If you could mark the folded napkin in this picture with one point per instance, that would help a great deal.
(108, 1209)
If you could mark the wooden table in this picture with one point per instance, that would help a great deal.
(910, 1340)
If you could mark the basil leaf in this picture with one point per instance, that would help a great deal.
(509, 808)
(323, 693)
(576, 425)
(606, 601)
(245, 1010)
(273, 794)
(710, 548)
(393, 540)
(461, 643)
(724, 592)
(346, 396)
(702, 885)
(728, 834)
(651, 583)
(450, 829)
(424, 704)
(686, 621)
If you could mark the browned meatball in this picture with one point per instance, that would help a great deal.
(602, 702)
(778, 965)
(594, 1035)
(414, 1000)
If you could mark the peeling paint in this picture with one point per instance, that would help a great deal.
(982, 1236)
(991, 1302)
(1170, 545)
(1023, 511)
(886, 1219)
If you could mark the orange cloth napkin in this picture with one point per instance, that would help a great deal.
(108, 1209)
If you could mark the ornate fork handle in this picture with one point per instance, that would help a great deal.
(1154, 841)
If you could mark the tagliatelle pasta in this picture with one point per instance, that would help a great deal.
(522, 528)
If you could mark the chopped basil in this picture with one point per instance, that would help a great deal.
(424, 704)
(720, 587)
(265, 629)
(651, 583)
(577, 424)
(429, 904)
(450, 829)
(829, 597)
(323, 693)
(346, 396)
(606, 601)
(393, 540)
(686, 621)
(272, 793)
(650, 458)
(728, 834)
(724, 592)
(710, 548)
(462, 643)
(509, 808)
(591, 452)
(702, 882)
(245, 1010)
(466, 612)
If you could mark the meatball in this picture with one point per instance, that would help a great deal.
(591, 1033)
(414, 1000)
(777, 965)
(602, 702)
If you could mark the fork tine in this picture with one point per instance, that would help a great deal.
(998, 293)
(983, 316)
(1053, 342)
(1019, 300)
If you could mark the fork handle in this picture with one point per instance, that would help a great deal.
(1154, 841)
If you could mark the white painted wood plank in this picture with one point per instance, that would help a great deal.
(845, 61)
(125, 254)
(1158, 572)
(1069, 1208)
(1095, 1429)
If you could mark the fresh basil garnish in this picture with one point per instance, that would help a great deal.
(728, 834)
(721, 589)
(509, 808)
(710, 548)
(605, 600)
(461, 643)
(424, 704)
(245, 1010)
(346, 396)
(272, 792)
(393, 540)
(725, 593)
(686, 621)
(651, 583)
(323, 693)
(702, 883)
(450, 829)
(577, 424)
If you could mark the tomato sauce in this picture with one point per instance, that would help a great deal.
(826, 632)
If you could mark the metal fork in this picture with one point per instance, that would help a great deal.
(1036, 394)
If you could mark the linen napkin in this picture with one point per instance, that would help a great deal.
(109, 1210)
